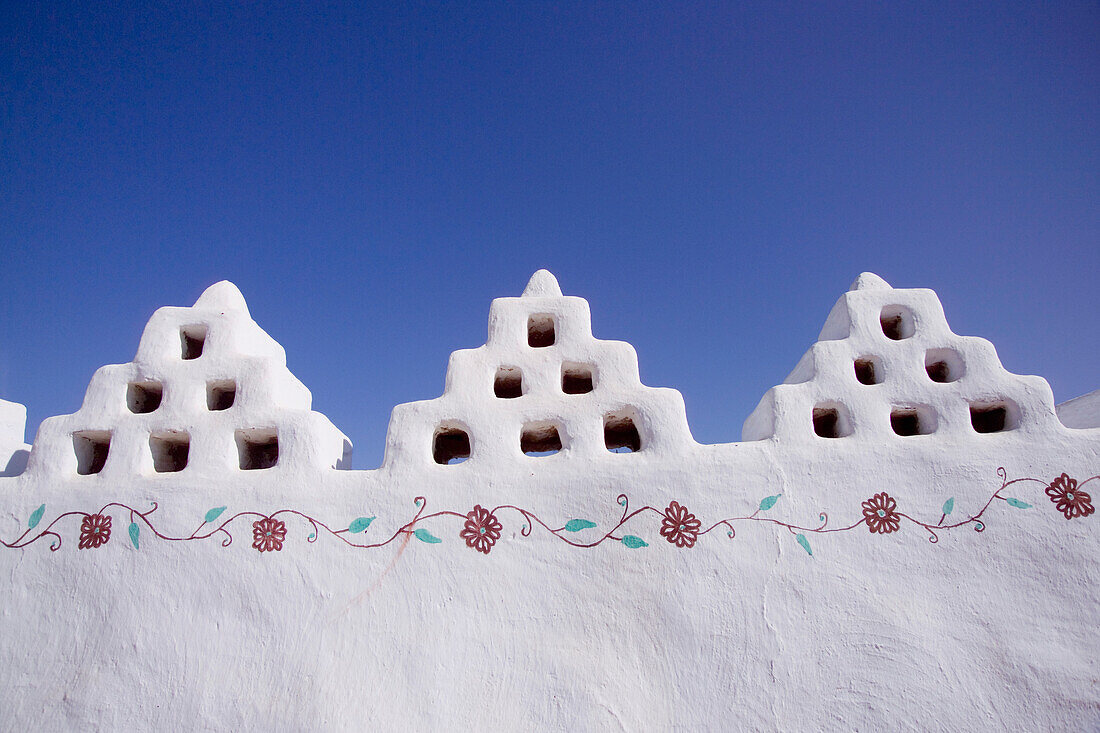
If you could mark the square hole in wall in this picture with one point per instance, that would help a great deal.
(540, 330)
(993, 416)
(908, 421)
(831, 420)
(897, 322)
(257, 448)
(540, 439)
(220, 394)
(943, 365)
(91, 447)
(508, 383)
(869, 370)
(620, 433)
(450, 445)
(143, 397)
(576, 378)
(192, 340)
(169, 451)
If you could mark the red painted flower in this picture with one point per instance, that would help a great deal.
(268, 535)
(482, 530)
(680, 527)
(95, 530)
(1070, 500)
(878, 512)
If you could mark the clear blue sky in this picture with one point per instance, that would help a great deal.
(710, 176)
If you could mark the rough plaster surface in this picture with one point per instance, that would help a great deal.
(986, 629)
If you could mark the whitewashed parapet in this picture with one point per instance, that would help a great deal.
(13, 451)
(1081, 412)
(541, 391)
(887, 366)
(870, 582)
(208, 394)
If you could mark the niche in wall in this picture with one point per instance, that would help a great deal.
(831, 420)
(943, 365)
(220, 394)
(169, 451)
(451, 444)
(576, 378)
(539, 439)
(508, 383)
(994, 416)
(620, 433)
(912, 420)
(540, 330)
(897, 322)
(144, 397)
(257, 448)
(869, 370)
(192, 341)
(91, 447)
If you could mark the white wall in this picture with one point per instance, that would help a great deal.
(1081, 412)
(406, 625)
(13, 451)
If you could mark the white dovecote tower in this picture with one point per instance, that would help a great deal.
(208, 394)
(886, 365)
(542, 391)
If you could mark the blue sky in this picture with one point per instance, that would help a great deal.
(711, 177)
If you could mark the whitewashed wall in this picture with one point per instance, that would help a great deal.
(1081, 412)
(377, 600)
(13, 451)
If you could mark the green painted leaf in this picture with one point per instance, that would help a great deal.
(949, 505)
(768, 502)
(359, 524)
(425, 536)
(634, 542)
(576, 525)
(214, 513)
(1017, 503)
(134, 532)
(36, 517)
(805, 544)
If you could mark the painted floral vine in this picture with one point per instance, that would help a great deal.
(482, 528)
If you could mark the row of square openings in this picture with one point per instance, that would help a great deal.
(941, 365)
(575, 379)
(538, 439)
(145, 397)
(832, 420)
(257, 448)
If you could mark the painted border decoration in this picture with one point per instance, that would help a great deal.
(482, 528)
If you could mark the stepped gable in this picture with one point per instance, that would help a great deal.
(886, 366)
(13, 451)
(207, 393)
(541, 383)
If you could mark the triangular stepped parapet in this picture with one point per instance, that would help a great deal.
(208, 393)
(887, 366)
(541, 383)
